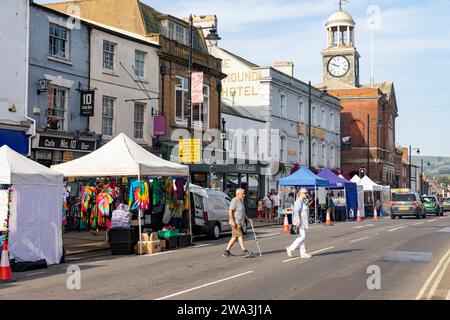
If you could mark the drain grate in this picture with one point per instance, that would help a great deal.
(407, 256)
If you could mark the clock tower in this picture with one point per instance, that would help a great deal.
(340, 58)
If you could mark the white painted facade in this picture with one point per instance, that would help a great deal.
(14, 21)
(119, 86)
(282, 102)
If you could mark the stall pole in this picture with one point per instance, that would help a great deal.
(346, 208)
(315, 203)
(139, 215)
(373, 202)
(189, 208)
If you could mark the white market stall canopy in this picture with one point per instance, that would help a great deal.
(19, 170)
(121, 157)
(355, 179)
(369, 185)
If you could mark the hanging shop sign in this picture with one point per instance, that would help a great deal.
(57, 143)
(189, 150)
(318, 133)
(159, 125)
(87, 103)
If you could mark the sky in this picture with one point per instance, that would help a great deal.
(411, 47)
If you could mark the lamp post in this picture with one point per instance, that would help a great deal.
(212, 36)
(309, 123)
(410, 159)
(421, 175)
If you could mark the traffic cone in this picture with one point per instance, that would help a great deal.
(328, 221)
(375, 214)
(286, 224)
(358, 216)
(5, 269)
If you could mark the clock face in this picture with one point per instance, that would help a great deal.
(338, 66)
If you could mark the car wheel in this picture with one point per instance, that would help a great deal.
(392, 216)
(400, 217)
(215, 232)
(244, 228)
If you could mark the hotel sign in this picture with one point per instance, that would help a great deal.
(318, 133)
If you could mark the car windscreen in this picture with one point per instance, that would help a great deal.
(445, 199)
(404, 197)
(428, 199)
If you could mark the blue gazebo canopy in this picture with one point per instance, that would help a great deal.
(303, 177)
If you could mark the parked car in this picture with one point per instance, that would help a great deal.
(407, 204)
(432, 205)
(446, 204)
(210, 212)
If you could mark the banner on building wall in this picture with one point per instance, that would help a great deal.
(197, 87)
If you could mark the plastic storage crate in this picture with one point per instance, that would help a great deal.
(171, 242)
(168, 233)
(122, 248)
(183, 240)
(122, 235)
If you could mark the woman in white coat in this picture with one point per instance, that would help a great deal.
(300, 220)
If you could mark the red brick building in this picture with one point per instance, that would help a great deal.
(369, 111)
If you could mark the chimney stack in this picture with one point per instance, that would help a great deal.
(286, 67)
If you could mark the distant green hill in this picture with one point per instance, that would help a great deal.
(439, 166)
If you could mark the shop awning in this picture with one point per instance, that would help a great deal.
(121, 157)
(16, 140)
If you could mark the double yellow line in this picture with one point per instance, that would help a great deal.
(444, 262)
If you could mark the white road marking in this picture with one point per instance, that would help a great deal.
(438, 280)
(416, 224)
(34, 274)
(157, 254)
(292, 259)
(264, 235)
(432, 220)
(201, 245)
(367, 225)
(204, 285)
(427, 283)
(360, 239)
(398, 228)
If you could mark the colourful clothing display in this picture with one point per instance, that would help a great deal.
(179, 183)
(158, 187)
(139, 198)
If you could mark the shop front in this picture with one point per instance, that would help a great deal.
(229, 178)
(49, 149)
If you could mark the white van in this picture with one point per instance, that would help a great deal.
(209, 211)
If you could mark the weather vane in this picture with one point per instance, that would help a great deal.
(340, 3)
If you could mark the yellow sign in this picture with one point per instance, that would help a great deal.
(189, 150)
(318, 133)
(292, 152)
(301, 129)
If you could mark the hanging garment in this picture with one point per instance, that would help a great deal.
(87, 192)
(138, 197)
(179, 183)
(158, 191)
(103, 201)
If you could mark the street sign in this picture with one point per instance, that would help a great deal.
(189, 150)
(87, 103)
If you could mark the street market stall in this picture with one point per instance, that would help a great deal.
(150, 180)
(304, 177)
(344, 197)
(370, 188)
(31, 206)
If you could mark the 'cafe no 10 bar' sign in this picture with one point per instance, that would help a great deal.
(87, 104)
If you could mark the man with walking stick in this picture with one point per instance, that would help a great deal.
(237, 219)
(300, 221)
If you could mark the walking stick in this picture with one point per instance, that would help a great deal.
(256, 239)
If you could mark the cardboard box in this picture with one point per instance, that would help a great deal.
(154, 236)
(153, 246)
(149, 247)
(162, 244)
(145, 237)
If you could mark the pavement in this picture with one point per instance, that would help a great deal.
(84, 242)
(382, 259)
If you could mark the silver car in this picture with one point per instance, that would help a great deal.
(446, 204)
